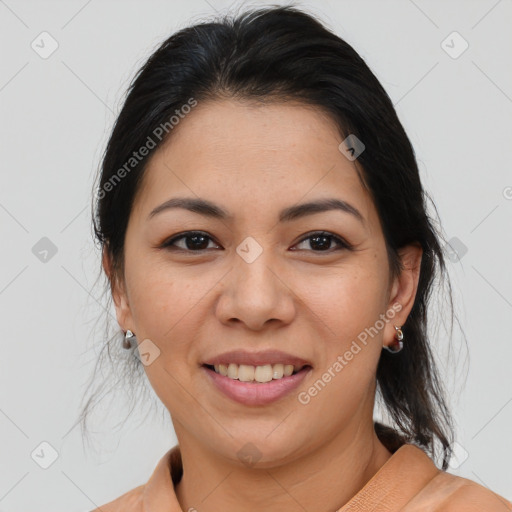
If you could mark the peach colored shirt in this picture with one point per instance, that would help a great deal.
(409, 481)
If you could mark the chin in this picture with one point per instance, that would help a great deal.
(261, 452)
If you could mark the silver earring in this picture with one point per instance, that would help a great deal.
(399, 344)
(129, 338)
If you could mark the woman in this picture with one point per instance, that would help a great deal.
(270, 258)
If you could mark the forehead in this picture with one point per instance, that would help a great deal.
(237, 153)
(236, 131)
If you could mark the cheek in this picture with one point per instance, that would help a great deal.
(164, 304)
(347, 300)
(350, 306)
(337, 395)
(168, 306)
(160, 296)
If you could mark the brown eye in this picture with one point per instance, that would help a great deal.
(322, 241)
(194, 241)
(197, 241)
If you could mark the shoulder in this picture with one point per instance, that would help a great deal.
(131, 501)
(452, 493)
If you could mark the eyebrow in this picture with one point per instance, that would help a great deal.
(209, 209)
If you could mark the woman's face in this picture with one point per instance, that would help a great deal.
(255, 282)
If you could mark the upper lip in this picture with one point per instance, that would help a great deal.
(257, 358)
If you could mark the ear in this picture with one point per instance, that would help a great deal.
(403, 290)
(118, 290)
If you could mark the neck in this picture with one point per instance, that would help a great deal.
(324, 480)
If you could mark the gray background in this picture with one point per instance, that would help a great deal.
(56, 113)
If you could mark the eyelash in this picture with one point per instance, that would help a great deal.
(168, 244)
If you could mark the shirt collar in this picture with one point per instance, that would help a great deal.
(159, 494)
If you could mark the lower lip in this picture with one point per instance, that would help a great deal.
(256, 393)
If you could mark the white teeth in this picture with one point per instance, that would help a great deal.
(288, 369)
(249, 373)
(245, 373)
(263, 373)
(233, 371)
(277, 371)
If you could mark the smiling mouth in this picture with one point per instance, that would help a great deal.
(256, 374)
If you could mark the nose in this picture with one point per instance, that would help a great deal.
(256, 294)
